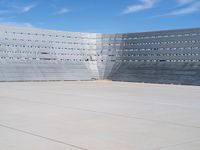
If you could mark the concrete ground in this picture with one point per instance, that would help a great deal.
(98, 116)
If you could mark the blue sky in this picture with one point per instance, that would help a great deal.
(104, 16)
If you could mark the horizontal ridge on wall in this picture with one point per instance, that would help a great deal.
(30, 54)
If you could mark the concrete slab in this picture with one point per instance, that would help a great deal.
(99, 116)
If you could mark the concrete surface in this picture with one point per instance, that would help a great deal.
(98, 116)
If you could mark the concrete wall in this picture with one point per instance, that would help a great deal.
(28, 54)
(35, 54)
(156, 57)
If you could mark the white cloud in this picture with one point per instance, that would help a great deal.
(27, 8)
(23, 8)
(144, 4)
(19, 24)
(3, 12)
(184, 7)
(192, 8)
(62, 11)
(183, 2)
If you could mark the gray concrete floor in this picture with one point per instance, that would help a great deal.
(98, 116)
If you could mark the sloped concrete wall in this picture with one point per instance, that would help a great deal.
(157, 57)
(172, 73)
(28, 54)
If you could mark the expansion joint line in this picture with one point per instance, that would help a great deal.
(43, 137)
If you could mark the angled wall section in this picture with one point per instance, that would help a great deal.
(35, 54)
(158, 57)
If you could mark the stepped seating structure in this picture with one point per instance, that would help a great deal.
(30, 54)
